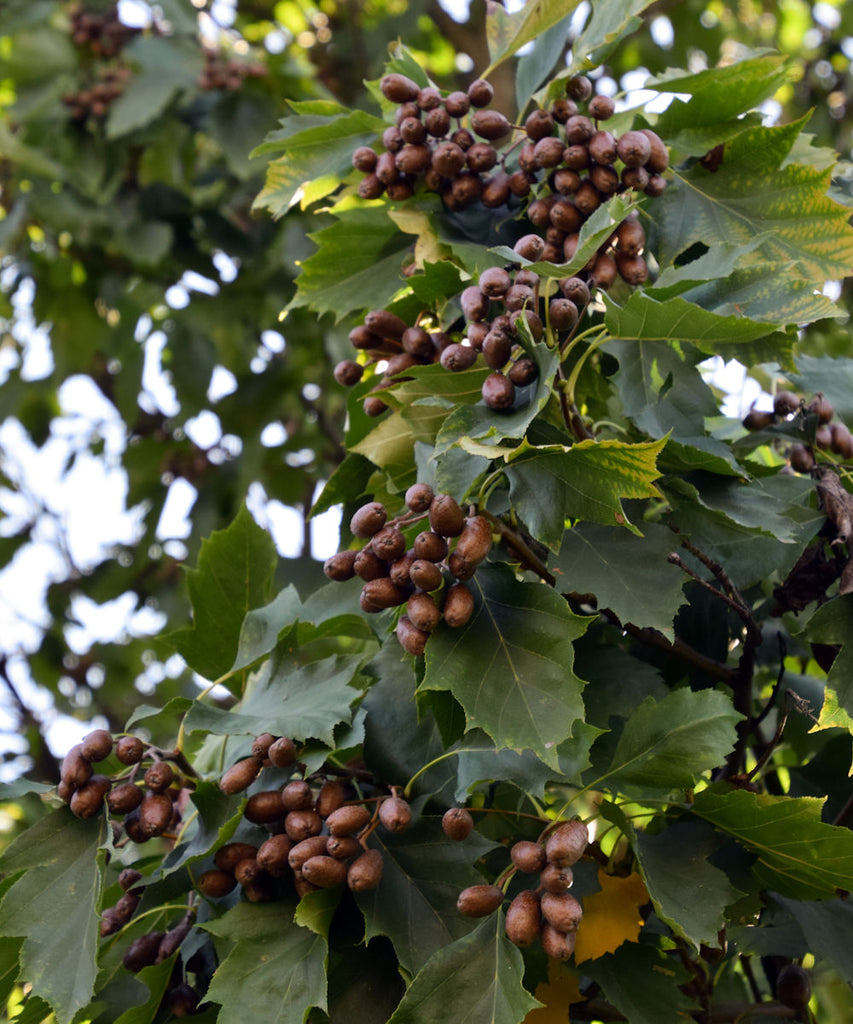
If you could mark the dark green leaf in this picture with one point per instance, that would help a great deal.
(506, 33)
(639, 979)
(826, 926)
(214, 824)
(832, 377)
(480, 975)
(687, 891)
(668, 744)
(166, 68)
(422, 876)
(831, 624)
(510, 667)
(628, 574)
(275, 971)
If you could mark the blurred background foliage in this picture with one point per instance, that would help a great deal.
(147, 383)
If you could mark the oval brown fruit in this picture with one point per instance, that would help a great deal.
(325, 872)
(348, 820)
(282, 753)
(264, 807)
(88, 799)
(129, 749)
(566, 844)
(457, 823)
(227, 857)
(301, 825)
(395, 814)
(556, 944)
(528, 856)
(523, 918)
(562, 910)
(314, 846)
(458, 605)
(365, 872)
(97, 745)
(412, 639)
(273, 853)
(475, 541)
(479, 900)
(124, 798)
(155, 813)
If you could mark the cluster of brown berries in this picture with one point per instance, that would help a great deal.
(428, 577)
(450, 140)
(317, 833)
(103, 32)
(220, 73)
(149, 804)
(548, 912)
(94, 100)
(830, 434)
(156, 946)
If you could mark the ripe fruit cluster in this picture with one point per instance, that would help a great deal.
(148, 809)
(220, 73)
(94, 100)
(103, 32)
(317, 831)
(830, 434)
(454, 142)
(548, 912)
(427, 576)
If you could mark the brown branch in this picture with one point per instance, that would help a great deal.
(677, 647)
(513, 540)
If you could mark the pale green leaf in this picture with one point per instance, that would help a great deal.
(53, 905)
(506, 33)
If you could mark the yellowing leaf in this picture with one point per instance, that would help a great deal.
(610, 917)
(557, 993)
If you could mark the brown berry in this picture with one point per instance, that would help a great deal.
(566, 844)
(155, 813)
(97, 745)
(227, 857)
(273, 853)
(562, 910)
(554, 879)
(159, 776)
(88, 799)
(458, 605)
(75, 769)
(365, 872)
(498, 392)
(264, 807)
(282, 753)
(457, 823)
(528, 856)
(523, 918)
(395, 814)
(479, 900)
(241, 775)
(398, 88)
(446, 518)
(369, 519)
(348, 820)
(313, 846)
(558, 945)
(124, 798)
(412, 639)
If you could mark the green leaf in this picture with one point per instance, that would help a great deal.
(832, 376)
(539, 60)
(753, 192)
(234, 573)
(628, 574)
(587, 481)
(609, 22)
(644, 318)
(667, 744)
(213, 825)
(479, 761)
(832, 624)
(287, 698)
(687, 891)
(510, 667)
(156, 977)
(357, 265)
(507, 33)
(798, 855)
(316, 153)
(166, 67)
(718, 96)
(276, 970)
(415, 902)
(826, 925)
(479, 975)
(664, 394)
(639, 979)
(54, 907)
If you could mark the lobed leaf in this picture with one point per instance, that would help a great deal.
(510, 667)
(798, 854)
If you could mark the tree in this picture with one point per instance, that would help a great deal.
(565, 727)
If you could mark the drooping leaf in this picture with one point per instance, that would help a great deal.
(687, 891)
(668, 744)
(798, 855)
(609, 22)
(234, 573)
(610, 916)
(357, 265)
(628, 574)
(831, 624)
(480, 975)
(639, 979)
(825, 923)
(313, 153)
(53, 905)
(415, 903)
(275, 970)
(510, 667)
(587, 481)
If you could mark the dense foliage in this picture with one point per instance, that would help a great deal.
(564, 732)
